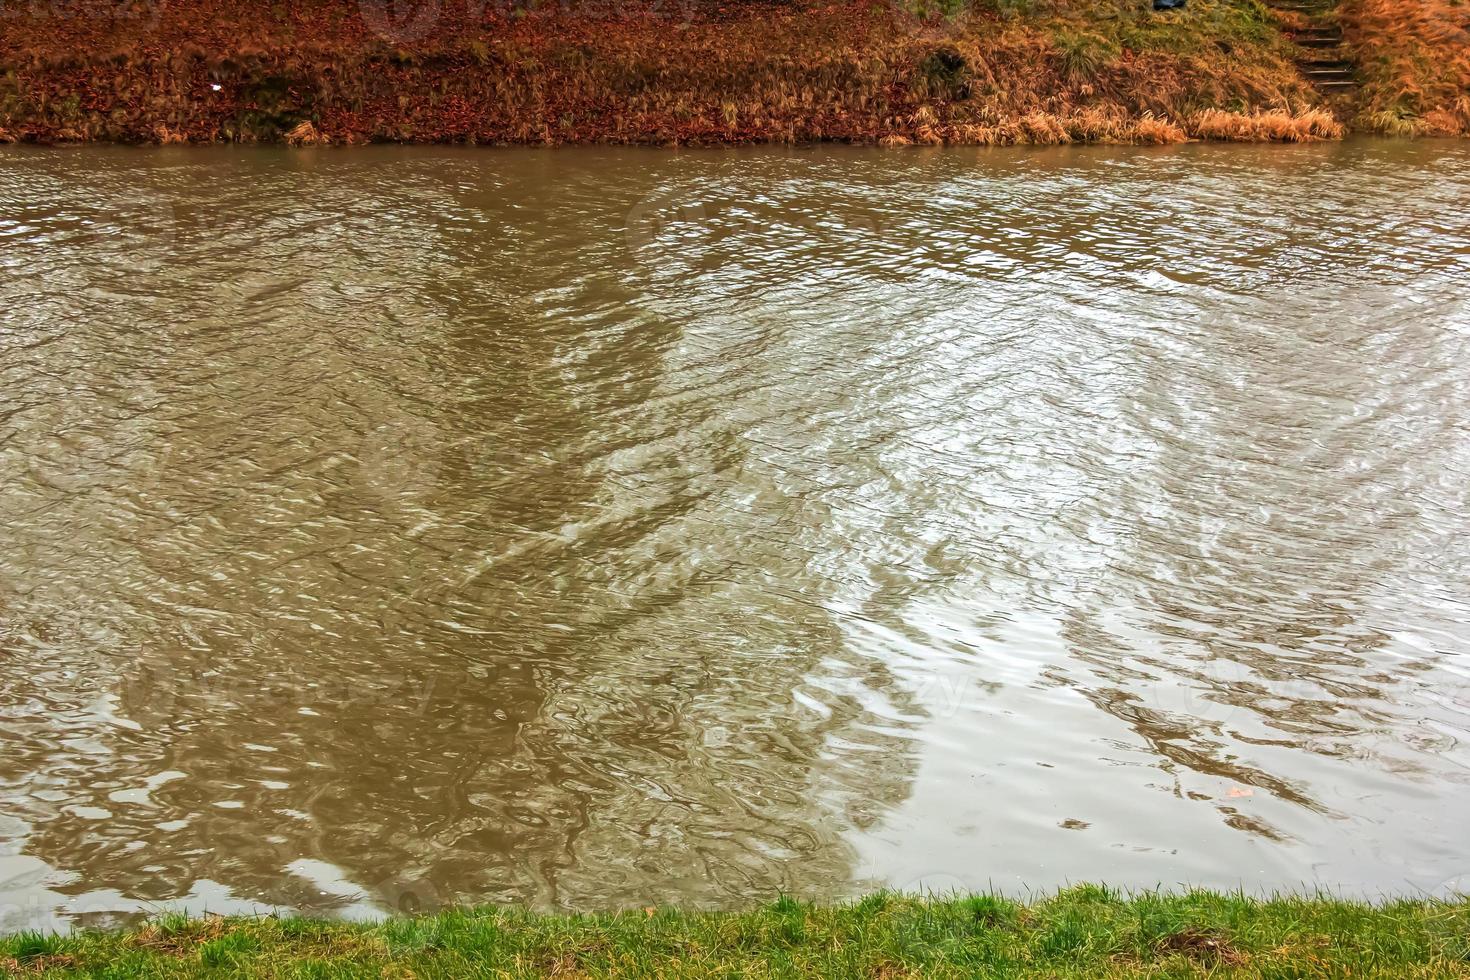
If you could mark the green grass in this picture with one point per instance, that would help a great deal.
(1087, 931)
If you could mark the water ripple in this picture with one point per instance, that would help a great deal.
(602, 527)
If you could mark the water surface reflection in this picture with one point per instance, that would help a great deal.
(598, 528)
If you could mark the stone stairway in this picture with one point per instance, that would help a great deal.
(1323, 60)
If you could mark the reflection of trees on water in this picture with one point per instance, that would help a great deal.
(587, 609)
(560, 668)
(1286, 527)
(1058, 450)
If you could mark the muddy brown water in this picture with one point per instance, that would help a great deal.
(592, 528)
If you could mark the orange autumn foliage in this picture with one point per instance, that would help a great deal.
(1276, 126)
(1414, 58)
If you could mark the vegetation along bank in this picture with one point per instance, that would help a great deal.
(1087, 931)
(892, 72)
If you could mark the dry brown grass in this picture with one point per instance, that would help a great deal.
(1274, 125)
(305, 134)
(35, 965)
(1089, 124)
(177, 940)
(1206, 946)
(1414, 56)
(852, 71)
(1290, 20)
(1152, 130)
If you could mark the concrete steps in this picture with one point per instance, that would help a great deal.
(1329, 73)
(1323, 61)
(1318, 37)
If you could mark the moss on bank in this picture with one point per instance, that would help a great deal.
(1087, 931)
(651, 71)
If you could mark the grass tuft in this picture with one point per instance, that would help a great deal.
(1276, 125)
(1083, 54)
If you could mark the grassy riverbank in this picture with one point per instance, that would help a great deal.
(650, 71)
(1083, 932)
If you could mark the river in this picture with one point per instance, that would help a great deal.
(593, 528)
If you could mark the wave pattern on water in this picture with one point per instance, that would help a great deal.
(605, 527)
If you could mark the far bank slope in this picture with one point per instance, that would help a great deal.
(649, 71)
